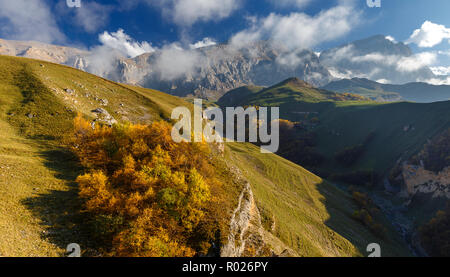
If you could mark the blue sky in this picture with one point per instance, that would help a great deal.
(161, 22)
(143, 22)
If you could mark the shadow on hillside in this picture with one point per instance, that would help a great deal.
(340, 207)
(340, 221)
(60, 210)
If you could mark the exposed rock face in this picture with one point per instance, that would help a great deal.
(247, 237)
(221, 68)
(245, 218)
(46, 52)
(419, 180)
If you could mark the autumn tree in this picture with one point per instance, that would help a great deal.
(154, 190)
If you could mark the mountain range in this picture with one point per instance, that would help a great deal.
(210, 72)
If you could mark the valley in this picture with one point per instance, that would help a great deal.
(52, 211)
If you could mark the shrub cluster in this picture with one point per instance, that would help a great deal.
(367, 212)
(148, 195)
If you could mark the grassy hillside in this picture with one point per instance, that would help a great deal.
(311, 216)
(39, 207)
(238, 95)
(290, 90)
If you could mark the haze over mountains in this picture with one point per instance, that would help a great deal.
(377, 58)
(209, 72)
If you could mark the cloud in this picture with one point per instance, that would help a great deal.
(125, 44)
(347, 63)
(416, 62)
(103, 59)
(402, 64)
(187, 12)
(203, 43)
(446, 53)
(391, 39)
(299, 30)
(290, 3)
(29, 20)
(444, 80)
(92, 16)
(441, 70)
(173, 62)
(429, 35)
(169, 62)
(383, 81)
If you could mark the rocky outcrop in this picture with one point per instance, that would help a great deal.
(247, 237)
(419, 180)
(104, 117)
(244, 220)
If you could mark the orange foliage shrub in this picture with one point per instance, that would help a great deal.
(156, 190)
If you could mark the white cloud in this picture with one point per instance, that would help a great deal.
(290, 3)
(346, 63)
(391, 39)
(441, 70)
(187, 12)
(299, 30)
(173, 62)
(402, 64)
(125, 44)
(170, 62)
(429, 35)
(383, 81)
(92, 16)
(438, 81)
(203, 43)
(29, 20)
(446, 53)
(416, 62)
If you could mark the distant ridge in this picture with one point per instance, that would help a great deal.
(413, 92)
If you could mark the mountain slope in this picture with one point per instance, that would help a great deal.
(39, 206)
(308, 214)
(414, 92)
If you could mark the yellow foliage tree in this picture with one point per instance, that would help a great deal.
(138, 173)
